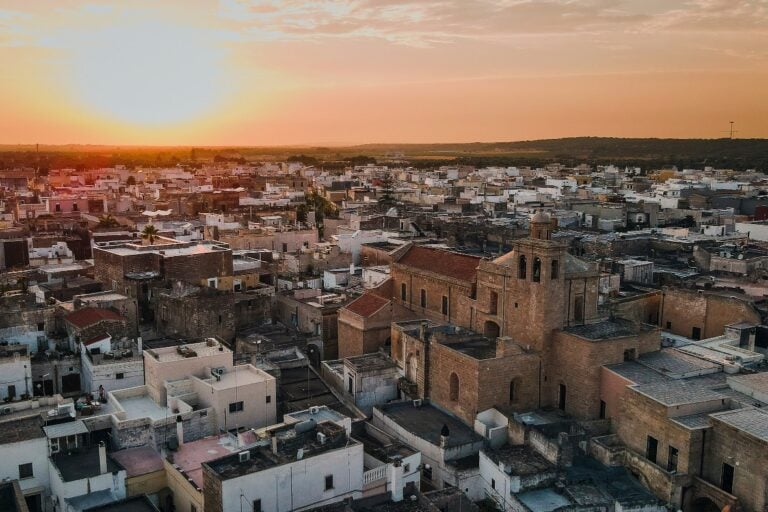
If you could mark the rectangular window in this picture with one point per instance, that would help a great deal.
(285, 247)
(11, 392)
(328, 482)
(256, 505)
(726, 481)
(192, 507)
(672, 459)
(669, 325)
(55, 445)
(651, 449)
(119, 376)
(445, 305)
(602, 409)
(403, 292)
(269, 399)
(493, 483)
(423, 298)
(236, 406)
(696, 333)
(25, 471)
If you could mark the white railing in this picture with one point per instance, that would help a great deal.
(375, 474)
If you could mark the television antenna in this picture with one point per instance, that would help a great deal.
(731, 131)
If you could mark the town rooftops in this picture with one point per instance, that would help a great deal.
(189, 457)
(679, 393)
(132, 504)
(83, 464)
(85, 317)
(139, 461)
(21, 429)
(369, 362)
(608, 329)
(439, 261)
(426, 421)
(208, 348)
(750, 420)
(366, 305)
(293, 443)
(519, 460)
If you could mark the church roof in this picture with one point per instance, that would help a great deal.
(450, 264)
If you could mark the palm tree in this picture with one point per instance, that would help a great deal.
(108, 221)
(149, 233)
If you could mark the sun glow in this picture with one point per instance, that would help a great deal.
(147, 72)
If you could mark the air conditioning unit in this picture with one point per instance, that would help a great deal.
(7, 410)
(321, 438)
(417, 402)
(244, 456)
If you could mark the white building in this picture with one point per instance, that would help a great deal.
(292, 468)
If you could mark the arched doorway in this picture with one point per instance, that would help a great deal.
(411, 367)
(454, 387)
(491, 329)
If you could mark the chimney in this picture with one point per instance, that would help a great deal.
(444, 435)
(179, 430)
(102, 458)
(396, 474)
(274, 445)
(139, 344)
(423, 331)
(351, 269)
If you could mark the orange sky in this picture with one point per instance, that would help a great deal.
(264, 72)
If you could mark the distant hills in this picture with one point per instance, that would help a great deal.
(647, 153)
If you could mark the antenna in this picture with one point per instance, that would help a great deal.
(731, 131)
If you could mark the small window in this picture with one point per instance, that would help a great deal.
(256, 505)
(427, 472)
(119, 376)
(236, 406)
(41, 326)
(512, 391)
(536, 270)
(602, 409)
(403, 292)
(726, 480)
(555, 270)
(494, 306)
(669, 325)
(269, 399)
(696, 333)
(192, 507)
(285, 247)
(521, 267)
(672, 459)
(651, 449)
(328, 482)
(423, 298)
(493, 483)
(406, 468)
(454, 387)
(26, 471)
(445, 305)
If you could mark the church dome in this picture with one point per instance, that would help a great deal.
(541, 218)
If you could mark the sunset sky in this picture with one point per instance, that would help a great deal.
(260, 72)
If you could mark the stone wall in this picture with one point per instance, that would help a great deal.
(683, 310)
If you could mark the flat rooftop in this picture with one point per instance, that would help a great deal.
(144, 407)
(190, 456)
(520, 460)
(289, 442)
(369, 362)
(241, 376)
(138, 461)
(83, 464)
(752, 421)
(608, 329)
(134, 504)
(678, 393)
(426, 421)
(207, 348)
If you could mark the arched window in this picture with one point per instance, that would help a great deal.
(555, 269)
(403, 292)
(536, 269)
(423, 298)
(521, 267)
(454, 388)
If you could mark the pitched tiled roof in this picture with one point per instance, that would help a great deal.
(85, 317)
(367, 304)
(96, 339)
(439, 261)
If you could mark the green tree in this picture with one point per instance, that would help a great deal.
(107, 221)
(130, 181)
(387, 191)
(150, 233)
